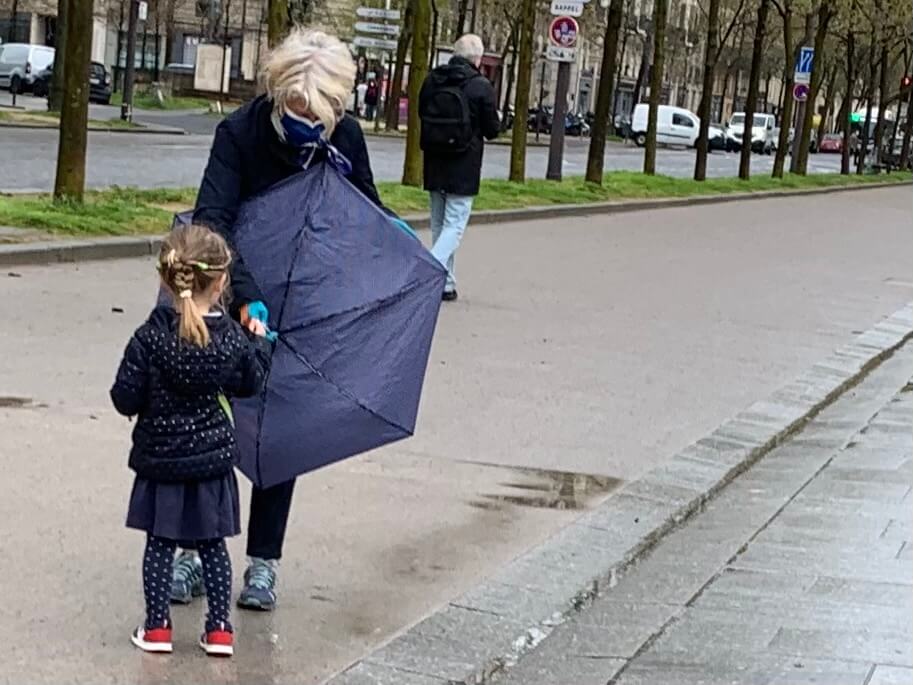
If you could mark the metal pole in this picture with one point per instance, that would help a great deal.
(541, 96)
(126, 108)
(794, 151)
(556, 144)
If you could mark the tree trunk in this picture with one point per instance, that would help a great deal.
(864, 135)
(825, 13)
(11, 31)
(462, 8)
(711, 50)
(907, 133)
(391, 113)
(277, 22)
(786, 114)
(754, 80)
(660, 10)
(606, 90)
(524, 82)
(434, 29)
(418, 70)
(71, 151)
(55, 94)
(848, 102)
(644, 64)
(882, 107)
(169, 31)
(720, 116)
(828, 101)
(511, 50)
(620, 62)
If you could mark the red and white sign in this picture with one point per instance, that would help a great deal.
(563, 32)
(800, 92)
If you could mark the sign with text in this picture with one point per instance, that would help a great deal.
(570, 8)
(563, 32)
(378, 43)
(375, 13)
(371, 27)
(556, 53)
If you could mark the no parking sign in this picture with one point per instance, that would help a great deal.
(563, 31)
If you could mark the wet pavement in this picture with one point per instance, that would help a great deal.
(800, 572)
(579, 355)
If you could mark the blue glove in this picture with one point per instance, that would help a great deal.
(257, 310)
(403, 226)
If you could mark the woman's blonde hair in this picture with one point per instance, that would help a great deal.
(190, 260)
(315, 68)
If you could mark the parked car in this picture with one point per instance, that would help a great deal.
(99, 83)
(20, 64)
(716, 137)
(762, 128)
(674, 125)
(832, 142)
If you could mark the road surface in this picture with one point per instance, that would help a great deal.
(598, 345)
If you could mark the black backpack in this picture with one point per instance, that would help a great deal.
(446, 121)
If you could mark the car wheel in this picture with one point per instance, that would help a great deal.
(15, 85)
(39, 90)
(640, 139)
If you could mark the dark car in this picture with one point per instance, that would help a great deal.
(716, 137)
(99, 83)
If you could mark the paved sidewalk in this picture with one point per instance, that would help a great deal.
(800, 572)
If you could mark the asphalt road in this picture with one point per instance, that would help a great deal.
(597, 345)
(155, 160)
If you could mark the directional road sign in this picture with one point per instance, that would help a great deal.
(372, 27)
(803, 72)
(378, 43)
(375, 13)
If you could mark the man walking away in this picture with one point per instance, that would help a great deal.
(458, 109)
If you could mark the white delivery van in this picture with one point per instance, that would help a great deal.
(763, 138)
(20, 64)
(674, 125)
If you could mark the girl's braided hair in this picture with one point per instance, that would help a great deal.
(190, 260)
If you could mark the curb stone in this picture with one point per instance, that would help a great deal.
(120, 248)
(486, 630)
(143, 128)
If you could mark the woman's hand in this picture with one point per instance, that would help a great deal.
(253, 317)
(256, 327)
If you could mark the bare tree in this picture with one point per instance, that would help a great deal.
(70, 181)
(826, 12)
(660, 11)
(524, 81)
(391, 113)
(754, 78)
(55, 94)
(418, 70)
(606, 90)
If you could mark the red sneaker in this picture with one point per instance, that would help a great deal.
(218, 643)
(156, 640)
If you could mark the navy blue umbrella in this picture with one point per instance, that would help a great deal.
(354, 300)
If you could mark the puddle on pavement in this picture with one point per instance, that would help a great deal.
(546, 489)
(12, 402)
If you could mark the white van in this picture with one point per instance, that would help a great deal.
(763, 138)
(674, 125)
(20, 64)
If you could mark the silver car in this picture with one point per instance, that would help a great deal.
(20, 64)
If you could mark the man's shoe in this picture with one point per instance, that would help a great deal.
(259, 591)
(449, 296)
(186, 578)
(157, 640)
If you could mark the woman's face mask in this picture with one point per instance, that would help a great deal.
(301, 131)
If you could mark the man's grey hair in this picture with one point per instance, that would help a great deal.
(469, 47)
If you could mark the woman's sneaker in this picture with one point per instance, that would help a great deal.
(186, 577)
(218, 643)
(157, 640)
(259, 591)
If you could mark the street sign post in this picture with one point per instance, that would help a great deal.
(375, 13)
(804, 62)
(563, 33)
(800, 92)
(570, 8)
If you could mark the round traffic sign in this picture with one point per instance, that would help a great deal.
(563, 31)
(800, 92)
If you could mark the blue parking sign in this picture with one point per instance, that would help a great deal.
(805, 60)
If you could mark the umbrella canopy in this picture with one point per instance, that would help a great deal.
(354, 300)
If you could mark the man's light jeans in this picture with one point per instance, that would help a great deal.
(449, 216)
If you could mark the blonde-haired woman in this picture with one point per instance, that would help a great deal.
(308, 80)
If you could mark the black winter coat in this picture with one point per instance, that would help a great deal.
(183, 433)
(459, 173)
(247, 157)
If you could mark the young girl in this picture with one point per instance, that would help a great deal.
(176, 373)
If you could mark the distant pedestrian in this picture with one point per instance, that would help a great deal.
(173, 375)
(458, 109)
(372, 95)
(360, 91)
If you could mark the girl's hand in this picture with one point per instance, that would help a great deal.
(256, 327)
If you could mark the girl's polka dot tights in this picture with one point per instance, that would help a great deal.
(157, 563)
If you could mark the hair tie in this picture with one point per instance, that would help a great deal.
(185, 294)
